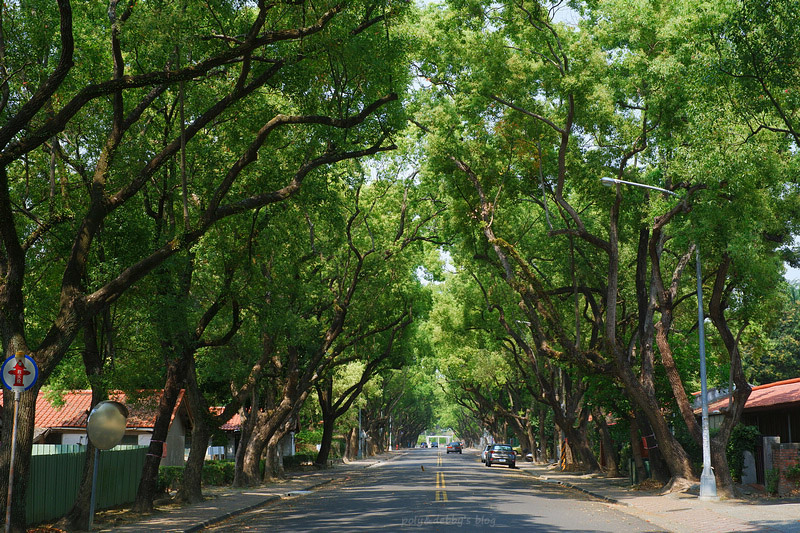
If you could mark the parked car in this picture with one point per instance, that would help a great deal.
(484, 452)
(501, 454)
(434, 444)
(423, 445)
(454, 447)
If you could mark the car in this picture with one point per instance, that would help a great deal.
(434, 444)
(484, 452)
(423, 445)
(454, 447)
(501, 454)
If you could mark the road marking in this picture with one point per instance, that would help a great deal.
(439, 459)
(441, 493)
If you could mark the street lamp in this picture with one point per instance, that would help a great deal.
(708, 484)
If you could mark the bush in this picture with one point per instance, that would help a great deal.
(214, 473)
(309, 436)
(293, 461)
(169, 477)
(218, 472)
(793, 474)
(772, 478)
(743, 438)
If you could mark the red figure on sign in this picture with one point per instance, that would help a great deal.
(19, 372)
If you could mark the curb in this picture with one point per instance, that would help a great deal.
(581, 489)
(217, 519)
(567, 484)
(382, 461)
(231, 514)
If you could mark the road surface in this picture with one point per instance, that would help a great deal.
(430, 490)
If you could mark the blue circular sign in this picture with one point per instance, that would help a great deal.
(20, 374)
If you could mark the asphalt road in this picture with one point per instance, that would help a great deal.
(429, 490)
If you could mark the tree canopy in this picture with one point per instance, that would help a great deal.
(381, 204)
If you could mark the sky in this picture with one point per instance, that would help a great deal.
(792, 274)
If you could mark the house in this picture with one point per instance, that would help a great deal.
(64, 421)
(232, 432)
(774, 408)
(232, 429)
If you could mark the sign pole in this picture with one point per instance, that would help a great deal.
(94, 488)
(105, 428)
(22, 368)
(17, 395)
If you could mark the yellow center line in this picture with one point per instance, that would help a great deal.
(441, 493)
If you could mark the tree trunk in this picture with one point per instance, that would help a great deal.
(352, 444)
(93, 360)
(328, 423)
(148, 484)
(191, 488)
(653, 423)
(248, 428)
(267, 425)
(636, 450)
(272, 464)
(531, 436)
(659, 467)
(251, 457)
(583, 457)
(722, 472)
(609, 449)
(542, 454)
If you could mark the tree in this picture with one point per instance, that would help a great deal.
(523, 159)
(773, 352)
(296, 53)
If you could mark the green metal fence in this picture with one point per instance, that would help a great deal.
(56, 477)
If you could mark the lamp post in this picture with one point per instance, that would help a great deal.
(708, 484)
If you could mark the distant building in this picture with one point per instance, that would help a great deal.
(57, 423)
(774, 408)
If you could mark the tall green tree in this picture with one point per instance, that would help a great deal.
(267, 93)
(524, 116)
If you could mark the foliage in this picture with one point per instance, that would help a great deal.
(514, 118)
(772, 479)
(218, 472)
(309, 436)
(214, 473)
(793, 474)
(773, 353)
(743, 438)
(169, 477)
(294, 461)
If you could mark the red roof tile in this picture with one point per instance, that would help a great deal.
(74, 412)
(776, 394)
(234, 424)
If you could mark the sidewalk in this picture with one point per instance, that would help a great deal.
(681, 512)
(227, 502)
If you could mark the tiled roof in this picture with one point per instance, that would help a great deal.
(74, 412)
(776, 394)
(234, 424)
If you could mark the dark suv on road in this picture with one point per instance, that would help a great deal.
(502, 454)
(454, 447)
